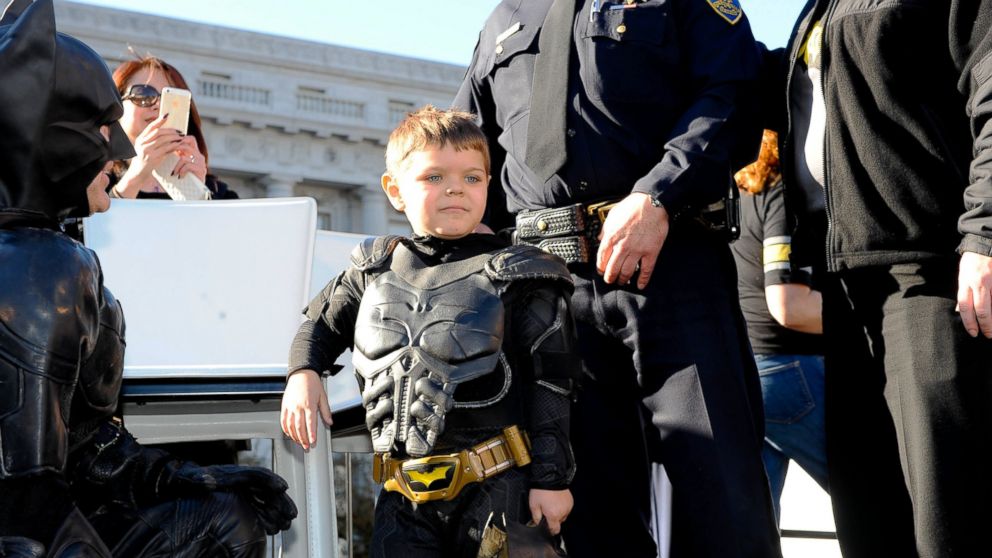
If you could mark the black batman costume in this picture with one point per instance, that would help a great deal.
(66, 464)
(454, 340)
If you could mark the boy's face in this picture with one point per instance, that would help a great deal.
(442, 191)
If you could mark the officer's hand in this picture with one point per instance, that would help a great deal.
(303, 399)
(550, 505)
(633, 235)
(974, 288)
(264, 490)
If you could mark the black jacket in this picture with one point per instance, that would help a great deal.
(907, 86)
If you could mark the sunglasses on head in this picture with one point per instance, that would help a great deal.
(143, 95)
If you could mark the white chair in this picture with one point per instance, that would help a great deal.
(212, 293)
(330, 257)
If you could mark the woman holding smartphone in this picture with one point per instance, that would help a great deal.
(140, 83)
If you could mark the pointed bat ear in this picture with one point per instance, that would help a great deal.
(13, 11)
(30, 29)
(27, 63)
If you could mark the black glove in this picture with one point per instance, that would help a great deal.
(113, 467)
(264, 490)
(20, 547)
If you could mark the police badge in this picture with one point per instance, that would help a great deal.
(729, 10)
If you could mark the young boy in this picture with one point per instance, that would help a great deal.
(463, 347)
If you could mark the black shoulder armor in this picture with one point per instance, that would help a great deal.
(528, 262)
(373, 251)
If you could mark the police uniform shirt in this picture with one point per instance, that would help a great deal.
(655, 91)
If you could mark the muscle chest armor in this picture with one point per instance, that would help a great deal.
(421, 332)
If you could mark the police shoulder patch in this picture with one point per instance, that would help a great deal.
(729, 10)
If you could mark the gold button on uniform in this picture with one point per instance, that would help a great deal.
(621, 28)
(499, 49)
(542, 225)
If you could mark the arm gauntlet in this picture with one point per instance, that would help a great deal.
(546, 321)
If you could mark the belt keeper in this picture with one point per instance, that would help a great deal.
(380, 467)
(518, 444)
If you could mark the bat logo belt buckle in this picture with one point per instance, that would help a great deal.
(443, 477)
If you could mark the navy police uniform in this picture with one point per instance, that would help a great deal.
(656, 95)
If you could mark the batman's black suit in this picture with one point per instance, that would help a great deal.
(452, 341)
(66, 464)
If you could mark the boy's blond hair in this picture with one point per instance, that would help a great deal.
(431, 127)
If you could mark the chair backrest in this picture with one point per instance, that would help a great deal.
(331, 255)
(209, 289)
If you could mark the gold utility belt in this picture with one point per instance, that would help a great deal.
(442, 477)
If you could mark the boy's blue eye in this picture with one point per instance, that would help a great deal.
(434, 178)
(472, 179)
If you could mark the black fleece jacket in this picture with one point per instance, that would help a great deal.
(908, 91)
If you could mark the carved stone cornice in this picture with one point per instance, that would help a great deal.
(86, 21)
(268, 152)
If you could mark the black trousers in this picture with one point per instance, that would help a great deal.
(909, 414)
(447, 529)
(669, 377)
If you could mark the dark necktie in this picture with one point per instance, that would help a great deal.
(546, 151)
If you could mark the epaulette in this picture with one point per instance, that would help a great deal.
(373, 251)
(527, 262)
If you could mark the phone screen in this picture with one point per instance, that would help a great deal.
(175, 103)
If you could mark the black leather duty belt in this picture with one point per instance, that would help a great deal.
(570, 232)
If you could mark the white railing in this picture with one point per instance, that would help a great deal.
(233, 92)
(326, 105)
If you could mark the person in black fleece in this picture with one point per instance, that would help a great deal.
(886, 128)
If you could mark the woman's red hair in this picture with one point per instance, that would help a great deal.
(765, 171)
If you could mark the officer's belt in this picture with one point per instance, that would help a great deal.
(570, 232)
(442, 477)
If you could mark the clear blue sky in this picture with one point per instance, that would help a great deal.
(444, 30)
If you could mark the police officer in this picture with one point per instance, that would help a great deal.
(619, 123)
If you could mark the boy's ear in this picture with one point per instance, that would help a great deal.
(392, 190)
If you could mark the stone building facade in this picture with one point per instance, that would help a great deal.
(283, 117)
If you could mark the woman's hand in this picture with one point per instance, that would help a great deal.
(552, 505)
(151, 146)
(303, 399)
(190, 160)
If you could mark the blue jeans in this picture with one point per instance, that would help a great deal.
(792, 389)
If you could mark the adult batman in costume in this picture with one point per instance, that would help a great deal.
(73, 482)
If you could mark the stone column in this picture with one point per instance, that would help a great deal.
(374, 208)
(279, 185)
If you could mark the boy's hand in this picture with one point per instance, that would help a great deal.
(303, 399)
(552, 505)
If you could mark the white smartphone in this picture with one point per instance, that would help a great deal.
(175, 103)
